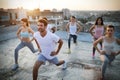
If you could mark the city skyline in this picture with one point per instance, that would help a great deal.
(61, 4)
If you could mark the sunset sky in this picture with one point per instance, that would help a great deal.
(60, 4)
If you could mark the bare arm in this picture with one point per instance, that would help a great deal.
(60, 43)
(118, 42)
(31, 31)
(67, 27)
(104, 30)
(79, 28)
(18, 33)
(91, 30)
(37, 45)
(117, 53)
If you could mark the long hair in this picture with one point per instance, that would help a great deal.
(26, 21)
(96, 22)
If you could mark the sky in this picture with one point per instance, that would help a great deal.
(60, 4)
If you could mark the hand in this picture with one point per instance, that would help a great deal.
(53, 53)
(39, 50)
(113, 53)
(102, 52)
(76, 32)
(20, 39)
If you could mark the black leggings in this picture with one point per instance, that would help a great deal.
(95, 49)
(74, 39)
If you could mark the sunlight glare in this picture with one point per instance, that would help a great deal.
(30, 5)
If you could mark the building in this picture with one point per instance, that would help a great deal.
(4, 17)
(11, 16)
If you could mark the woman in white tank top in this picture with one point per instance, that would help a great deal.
(73, 28)
(108, 53)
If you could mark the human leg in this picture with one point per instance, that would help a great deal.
(31, 47)
(111, 58)
(59, 62)
(93, 54)
(105, 62)
(100, 45)
(36, 68)
(41, 60)
(69, 40)
(75, 39)
(20, 46)
(94, 49)
(69, 43)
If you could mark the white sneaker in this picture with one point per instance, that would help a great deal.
(69, 51)
(76, 44)
(15, 66)
(64, 65)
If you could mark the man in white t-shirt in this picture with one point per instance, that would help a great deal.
(46, 43)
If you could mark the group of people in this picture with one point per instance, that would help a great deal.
(47, 41)
(104, 35)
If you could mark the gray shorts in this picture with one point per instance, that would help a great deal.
(44, 59)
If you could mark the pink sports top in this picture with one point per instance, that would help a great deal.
(98, 31)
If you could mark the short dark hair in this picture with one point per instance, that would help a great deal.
(111, 26)
(73, 17)
(43, 21)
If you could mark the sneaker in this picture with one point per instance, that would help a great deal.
(69, 51)
(93, 57)
(15, 66)
(76, 44)
(64, 66)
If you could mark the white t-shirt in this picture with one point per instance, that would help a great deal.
(47, 43)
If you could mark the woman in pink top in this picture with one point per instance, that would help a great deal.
(98, 29)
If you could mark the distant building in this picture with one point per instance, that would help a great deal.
(54, 17)
(66, 13)
(4, 17)
(11, 16)
(21, 13)
(33, 15)
(54, 10)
